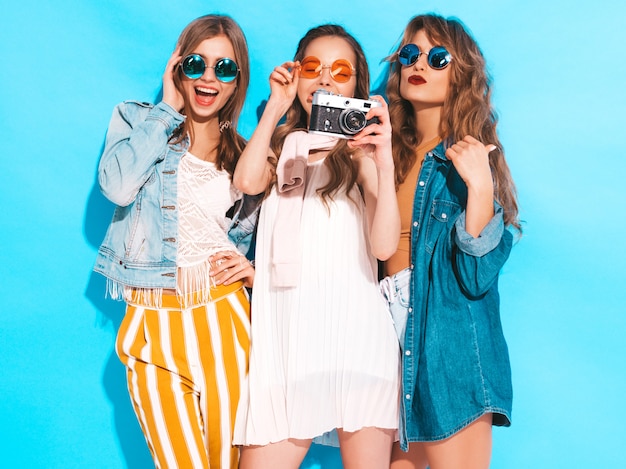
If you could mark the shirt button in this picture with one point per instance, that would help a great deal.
(407, 397)
(415, 223)
(410, 310)
(407, 353)
(421, 183)
(444, 216)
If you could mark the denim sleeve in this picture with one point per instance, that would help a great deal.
(136, 140)
(478, 261)
(488, 238)
(242, 231)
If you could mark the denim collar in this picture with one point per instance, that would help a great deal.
(440, 152)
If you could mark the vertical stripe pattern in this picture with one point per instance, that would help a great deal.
(185, 369)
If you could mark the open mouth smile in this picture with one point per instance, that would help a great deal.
(205, 96)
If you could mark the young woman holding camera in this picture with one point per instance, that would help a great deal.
(324, 352)
(457, 203)
(168, 168)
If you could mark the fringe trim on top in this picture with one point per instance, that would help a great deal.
(193, 287)
(145, 296)
(194, 284)
(151, 297)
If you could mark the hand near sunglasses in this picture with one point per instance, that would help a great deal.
(375, 138)
(171, 95)
(284, 85)
(228, 267)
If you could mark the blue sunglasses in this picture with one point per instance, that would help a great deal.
(438, 57)
(194, 66)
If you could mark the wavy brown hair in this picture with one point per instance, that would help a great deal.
(343, 171)
(231, 144)
(467, 109)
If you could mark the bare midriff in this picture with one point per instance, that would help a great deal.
(406, 195)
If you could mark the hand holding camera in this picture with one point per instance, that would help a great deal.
(340, 116)
(344, 117)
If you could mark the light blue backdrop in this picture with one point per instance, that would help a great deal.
(559, 87)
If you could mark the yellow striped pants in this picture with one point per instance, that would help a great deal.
(185, 367)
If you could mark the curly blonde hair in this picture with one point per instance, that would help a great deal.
(467, 109)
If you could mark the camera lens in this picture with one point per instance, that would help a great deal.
(352, 121)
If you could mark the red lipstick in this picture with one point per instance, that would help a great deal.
(416, 80)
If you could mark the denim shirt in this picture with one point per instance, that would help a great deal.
(137, 172)
(455, 361)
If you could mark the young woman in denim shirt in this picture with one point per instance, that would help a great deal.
(457, 202)
(168, 168)
(324, 352)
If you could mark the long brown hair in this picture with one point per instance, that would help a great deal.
(467, 109)
(343, 172)
(231, 144)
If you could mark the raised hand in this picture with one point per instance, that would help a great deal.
(471, 160)
(171, 95)
(375, 138)
(284, 85)
(377, 180)
(253, 173)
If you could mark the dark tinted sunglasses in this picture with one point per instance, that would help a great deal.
(194, 66)
(438, 57)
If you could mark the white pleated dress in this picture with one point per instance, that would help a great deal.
(324, 354)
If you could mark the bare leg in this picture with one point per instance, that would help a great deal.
(286, 454)
(470, 448)
(366, 448)
(414, 458)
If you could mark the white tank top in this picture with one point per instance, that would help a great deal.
(204, 196)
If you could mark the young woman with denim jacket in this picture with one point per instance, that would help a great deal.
(457, 202)
(324, 353)
(168, 168)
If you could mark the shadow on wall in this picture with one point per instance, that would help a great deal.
(98, 214)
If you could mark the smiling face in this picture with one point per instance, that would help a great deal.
(327, 49)
(205, 96)
(421, 85)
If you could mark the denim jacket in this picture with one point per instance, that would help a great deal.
(455, 360)
(137, 172)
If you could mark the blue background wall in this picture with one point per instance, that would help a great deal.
(559, 75)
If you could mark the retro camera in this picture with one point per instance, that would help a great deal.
(340, 116)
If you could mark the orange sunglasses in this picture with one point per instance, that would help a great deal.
(340, 70)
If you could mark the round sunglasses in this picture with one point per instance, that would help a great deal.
(340, 70)
(194, 66)
(438, 57)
